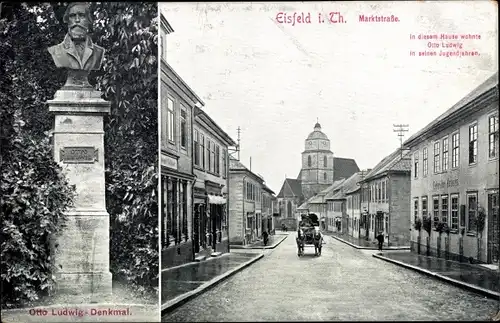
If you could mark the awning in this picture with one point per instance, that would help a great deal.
(214, 199)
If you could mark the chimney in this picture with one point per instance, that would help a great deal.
(250, 163)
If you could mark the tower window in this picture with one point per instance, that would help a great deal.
(325, 162)
(324, 176)
(309, 162)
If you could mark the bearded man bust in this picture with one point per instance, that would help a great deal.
(77, 51)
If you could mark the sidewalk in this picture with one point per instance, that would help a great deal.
(363, 243)
(273, 242)
(182, 283)
(476, 278)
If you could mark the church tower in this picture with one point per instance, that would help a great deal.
(317, 163)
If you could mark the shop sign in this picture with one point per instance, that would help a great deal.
(444, 184)
(169, 162)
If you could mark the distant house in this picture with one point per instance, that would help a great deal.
(385, 199)
(251, 204)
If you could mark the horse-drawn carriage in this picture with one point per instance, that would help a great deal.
(309, 235)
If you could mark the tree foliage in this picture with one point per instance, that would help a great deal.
(128, 79)
(35, 195)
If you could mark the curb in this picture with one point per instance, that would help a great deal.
(369, 248)
(266, 247)
(181, 299)
(458, 283)
(191, 263)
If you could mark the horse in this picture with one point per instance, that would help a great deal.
(318, 242)
(300, 242)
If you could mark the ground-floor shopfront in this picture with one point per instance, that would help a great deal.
(467, 239)
(176, 218)
(267, 223)
(209, 221)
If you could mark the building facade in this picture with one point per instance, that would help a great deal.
(245, 209)
(385, 199)
(267, 209)
(334, 207)
(353, 211)
(211, 206)
(454, 178)
(176, 181)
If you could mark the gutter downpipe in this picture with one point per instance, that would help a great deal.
(244, 226)
(226, 169)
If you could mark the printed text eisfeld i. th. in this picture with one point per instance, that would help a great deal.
(332, 17)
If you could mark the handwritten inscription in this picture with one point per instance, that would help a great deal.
(78, 155)
(440, 185)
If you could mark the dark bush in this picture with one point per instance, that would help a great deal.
(34, 196)
(427, 224)
(418, 224)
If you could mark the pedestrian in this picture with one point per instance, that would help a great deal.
(380, 239)
(266, 237)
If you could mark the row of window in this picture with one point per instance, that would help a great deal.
(441, 149)
(168, 124)
(334, 206)
(353, 202)
(309, 161)
(377, 192)
(446, 209)
(285, 208)
(253, 192)
(207, 155)
(174, 208)
(266, 201)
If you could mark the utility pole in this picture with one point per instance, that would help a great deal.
(401, 129)
(236, 149)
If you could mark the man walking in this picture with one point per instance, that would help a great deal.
(380, 239)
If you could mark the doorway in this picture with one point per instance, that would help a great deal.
(493, 228)
(379, 222)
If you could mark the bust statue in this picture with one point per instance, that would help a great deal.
(77, 52)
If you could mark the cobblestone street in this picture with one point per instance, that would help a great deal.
(343, 284)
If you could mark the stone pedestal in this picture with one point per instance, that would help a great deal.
(82, 253)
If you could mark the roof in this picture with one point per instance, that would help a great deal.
(235, 165)
(164, 23)
(266, 188)
(316, 199)
(317, 133)
(484, 87)
(305, 205)
(180, 82)
(332, 187)
(344, 167)
(291, 187)
(348, 186)
(392, 162)
(199, 113)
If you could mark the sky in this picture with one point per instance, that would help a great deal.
(275, 80)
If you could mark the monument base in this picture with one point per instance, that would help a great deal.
(96, 284)
(82, 255)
